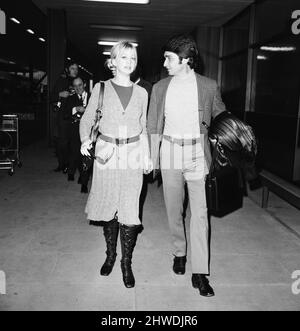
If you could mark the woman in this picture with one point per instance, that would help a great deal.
(121, 162)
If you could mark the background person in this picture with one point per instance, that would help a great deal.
(75, 107)
(61, 91)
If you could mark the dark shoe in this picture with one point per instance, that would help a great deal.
(58, 169)
(71, 178)
(201, 282)
(84, 189)
(79, 180)
(179, 265)
(128, 235)
(111, 232)
(65, 170)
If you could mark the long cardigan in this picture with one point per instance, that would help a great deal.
(112, 117)
(116, 190)
(210, 105)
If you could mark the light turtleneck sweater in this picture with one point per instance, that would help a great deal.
(181, 108)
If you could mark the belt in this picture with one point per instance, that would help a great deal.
(183, 142)
(119, 141)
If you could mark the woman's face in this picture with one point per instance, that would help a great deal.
(125, 63)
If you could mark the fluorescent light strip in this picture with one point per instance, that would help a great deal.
(68, 58)
(112, 43)
(42, 39)
(15, 20)
(116, 27)
(136, 2)
(106, 53)
(261, 57)
(30, 31)
(278, 49)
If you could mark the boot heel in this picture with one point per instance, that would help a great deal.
(128, 277)
(128, 236)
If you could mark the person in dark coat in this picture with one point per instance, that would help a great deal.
(74, 109)
(138, 80)
(61, 91)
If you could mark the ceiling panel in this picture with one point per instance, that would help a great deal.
(160, 20)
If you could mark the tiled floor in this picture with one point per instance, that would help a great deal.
(51, 256)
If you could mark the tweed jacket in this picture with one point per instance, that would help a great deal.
(210, 105)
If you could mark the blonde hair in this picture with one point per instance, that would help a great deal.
(119, 47)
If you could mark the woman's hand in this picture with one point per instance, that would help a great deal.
(84, 150)
(148, 165)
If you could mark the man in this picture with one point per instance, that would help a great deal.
(62, 90)
(74, 109)
(180, 147)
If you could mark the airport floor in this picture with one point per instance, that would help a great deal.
(51, 256)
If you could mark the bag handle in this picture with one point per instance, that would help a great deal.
(215, 152)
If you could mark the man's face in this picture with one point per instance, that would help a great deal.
(79, 86)
(172, 63)
(73, 70)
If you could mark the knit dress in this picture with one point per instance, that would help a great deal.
(117, 184)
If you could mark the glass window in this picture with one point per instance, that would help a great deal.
(236, 34)
(234, 82)
(277, 73)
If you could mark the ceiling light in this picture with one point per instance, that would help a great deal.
(137, 2)
(15, 20)
(68, 58)
(261, 57)
(112, 43)
(116, 27)
(30, 31)
(106, 53)
(42, 39)
(277, 49)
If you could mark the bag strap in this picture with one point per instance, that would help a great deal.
(94, 129)
(101, 97)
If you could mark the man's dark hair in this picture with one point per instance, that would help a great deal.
(185, 47)
(70, 63)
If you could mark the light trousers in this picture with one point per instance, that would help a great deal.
(192, 172)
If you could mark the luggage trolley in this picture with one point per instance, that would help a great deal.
(9, 143)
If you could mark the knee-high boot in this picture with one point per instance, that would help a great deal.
(128, 235)
(110, 231)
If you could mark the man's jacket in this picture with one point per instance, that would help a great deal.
(210, 105)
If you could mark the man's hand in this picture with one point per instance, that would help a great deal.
(64, 94)
(84, 150)
(80, 109)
